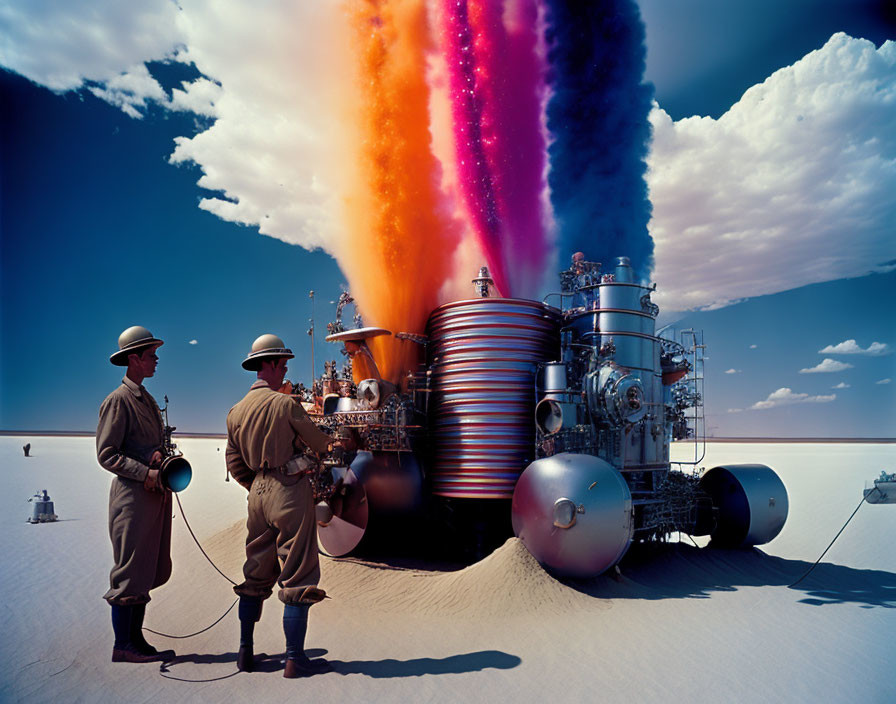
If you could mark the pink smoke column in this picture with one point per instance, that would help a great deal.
(497, 84)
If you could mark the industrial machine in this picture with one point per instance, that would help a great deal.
(556, 420)
(43, 510)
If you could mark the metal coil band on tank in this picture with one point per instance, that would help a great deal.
(483, 355)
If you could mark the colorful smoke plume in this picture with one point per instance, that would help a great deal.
(402, 235)
(597, 118)
(548, 129)
(497, 86)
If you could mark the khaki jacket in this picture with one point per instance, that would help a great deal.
(265, 430)
(129, 431)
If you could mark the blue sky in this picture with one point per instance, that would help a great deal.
(101, 231)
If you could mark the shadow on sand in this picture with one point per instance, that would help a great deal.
(679, 571)
(417, 667)
(379, 669)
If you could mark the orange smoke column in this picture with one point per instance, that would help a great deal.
(401, 236)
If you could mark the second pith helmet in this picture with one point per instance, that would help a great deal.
(266, 347)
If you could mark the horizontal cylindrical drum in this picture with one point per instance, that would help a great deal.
(483, 354)
(751, 502)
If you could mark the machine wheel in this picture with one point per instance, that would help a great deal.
(342, 533)
(751, 503)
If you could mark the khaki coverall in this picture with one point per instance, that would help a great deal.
(129, 432)
(264, 431)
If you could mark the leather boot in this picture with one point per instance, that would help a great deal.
(295, 625)
(250, 614)
(124, 650)
(139, 641)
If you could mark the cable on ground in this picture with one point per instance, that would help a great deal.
(806, 573)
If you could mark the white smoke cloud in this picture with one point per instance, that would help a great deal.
(875, 349)
(826, 366)
(786, 397)
(792, 186)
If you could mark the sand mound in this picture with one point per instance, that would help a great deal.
(508, 582)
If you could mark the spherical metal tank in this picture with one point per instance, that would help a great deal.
(573, 513)
(393, 481)
(751, 501)
(483, 355)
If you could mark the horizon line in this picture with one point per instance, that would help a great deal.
(726, 439)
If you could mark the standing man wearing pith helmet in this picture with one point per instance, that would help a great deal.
(129, 443)
(269, 441)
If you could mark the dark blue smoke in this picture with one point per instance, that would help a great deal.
(597, 119)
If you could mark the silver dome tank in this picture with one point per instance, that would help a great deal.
(573, 513)
(483, 355)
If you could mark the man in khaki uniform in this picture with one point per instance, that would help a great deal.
(269, 439)
(129, 442)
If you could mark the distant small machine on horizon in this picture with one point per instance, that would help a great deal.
(883, 489)
(43, 510)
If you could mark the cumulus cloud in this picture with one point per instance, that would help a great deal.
(274, 152)
(753, 347)
(786, 397)
(194, 342)
(62, 44)
(732, 371)
(270, 157)
(875, 349)
(841, 385)
(792, 186)
(827, 365)
(883, 381)
(131, 91)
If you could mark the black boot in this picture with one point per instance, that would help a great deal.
(124, 650)
(250, 614)
(139, 641)
(295, 625)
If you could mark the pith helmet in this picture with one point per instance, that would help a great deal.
(133, 341)
(266, 347)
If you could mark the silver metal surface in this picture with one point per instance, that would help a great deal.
(751, 501)
(582, 543)
(349, 514)
(482, 356)
(357, 334)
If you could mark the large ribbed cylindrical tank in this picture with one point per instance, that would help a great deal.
(573, 513)
(751, 504)
(483, 354)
